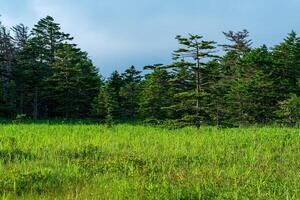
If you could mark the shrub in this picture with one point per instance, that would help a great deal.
(20, 118)
(289, 110)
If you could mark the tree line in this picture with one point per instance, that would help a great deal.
(44, 75)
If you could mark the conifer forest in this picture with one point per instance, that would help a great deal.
(220, 121)
(44, 75)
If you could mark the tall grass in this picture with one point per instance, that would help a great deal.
(42, 161)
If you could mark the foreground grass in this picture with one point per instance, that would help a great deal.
(136, 162)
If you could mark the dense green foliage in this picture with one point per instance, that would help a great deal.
(42, 161)
(44, 75)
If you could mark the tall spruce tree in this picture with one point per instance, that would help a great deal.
(46, 39)
(197, 51)
(7, 68)
(100, 104)
(156, 94)
(215, 102)
(286, 71)
(73, 85)
(240, 43)
(20, 38)
(252, 92)
(182, 83)
(113, 98)
(130, 92)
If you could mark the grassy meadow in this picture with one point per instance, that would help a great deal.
(42, 161)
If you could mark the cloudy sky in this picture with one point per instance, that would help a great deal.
(120, 33)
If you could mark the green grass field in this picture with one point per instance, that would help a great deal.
(136, 162)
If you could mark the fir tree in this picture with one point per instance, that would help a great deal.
(73, 85)
(197, 50)
(130, 92)
(156, 96)
(7, 68)
(113, 97)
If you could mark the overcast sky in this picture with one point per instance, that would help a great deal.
(121, 33)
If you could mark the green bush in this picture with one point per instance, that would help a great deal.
(20, 118)
(289, 110)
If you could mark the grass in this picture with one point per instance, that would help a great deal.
(41, 161)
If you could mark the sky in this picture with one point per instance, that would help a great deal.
(120, 33)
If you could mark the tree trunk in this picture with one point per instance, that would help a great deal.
(198, 77)
(35, 103)
(21, 108)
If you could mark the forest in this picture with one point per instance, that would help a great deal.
(44, 75)
(220, 121)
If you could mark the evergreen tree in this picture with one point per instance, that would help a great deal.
(197, 50)
(130, 92)
(7, 68)
(240, 44)
(46, 39)
(113, 97)
(215, 89)
(182, 86)
(21, 35)
(156, 94)
(100, 104)
(21, 38)
(73, 85)
(252, 93)
(31, 74)
(286, 71)
(289, 110)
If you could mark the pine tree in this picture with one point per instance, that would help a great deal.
(46, 39)
(286, 71)
(130, 92)
(30, 74)
(7, 68)
(197, 50)
(21, 35)
(73, 85)
(252, 92)
(114, 99)
(182, 87)
(240, 44)
(156, 94)
(289, 110)
(215, 88)
(99, 105)
(20, 38)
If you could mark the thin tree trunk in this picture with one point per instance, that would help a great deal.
(198, 77)
(198, 90)
(218, 123)
(4, 90)
(35, 103)
(21, 109)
